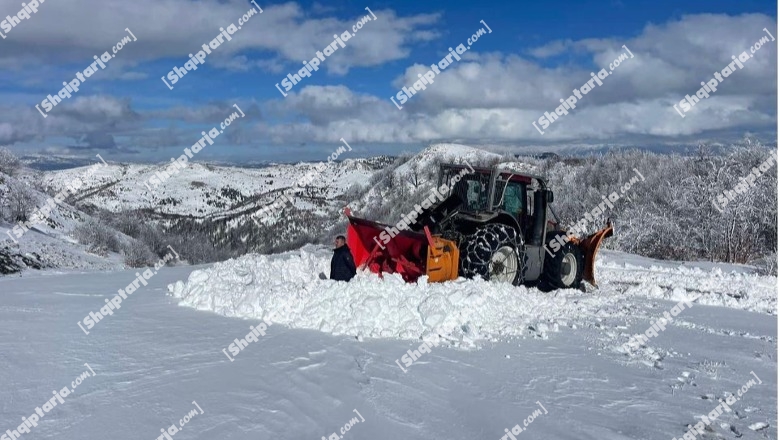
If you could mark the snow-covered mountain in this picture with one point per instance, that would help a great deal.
(206, 191)
(221, 201)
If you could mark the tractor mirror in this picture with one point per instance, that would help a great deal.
(550, 197)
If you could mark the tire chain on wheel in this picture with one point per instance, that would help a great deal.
(524, 267)
(477, 249)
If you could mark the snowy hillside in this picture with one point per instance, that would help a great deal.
(214, 192)
(50, 243)
(214, 206)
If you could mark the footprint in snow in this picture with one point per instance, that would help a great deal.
(758, 426)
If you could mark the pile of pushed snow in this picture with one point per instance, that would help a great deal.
(287, 288)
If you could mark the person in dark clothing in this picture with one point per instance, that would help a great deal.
(342, 266)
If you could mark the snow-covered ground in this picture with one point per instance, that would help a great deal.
(512, 351)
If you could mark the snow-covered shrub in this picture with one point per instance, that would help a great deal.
(767, 265)
(353, 192)
(137, 254)
(98, 250)
(97, 235)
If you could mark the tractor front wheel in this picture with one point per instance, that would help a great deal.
(563, 270)
(495, 253)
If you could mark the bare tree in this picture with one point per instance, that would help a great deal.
(431, 172)
(415, 176)
(21, 202)
(400, 190)
(9, 163)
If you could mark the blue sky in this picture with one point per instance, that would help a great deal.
(536, 53)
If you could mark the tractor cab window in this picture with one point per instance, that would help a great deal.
(472, 189)
(476, 197)
(514, 198)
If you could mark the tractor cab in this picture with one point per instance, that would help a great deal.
(519, 200)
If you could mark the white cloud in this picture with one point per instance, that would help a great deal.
(483, 98)
(496, 97)
(76, 30)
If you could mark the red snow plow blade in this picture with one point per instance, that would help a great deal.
(410, 254)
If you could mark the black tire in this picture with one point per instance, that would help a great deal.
(487, 250)
(565, 268)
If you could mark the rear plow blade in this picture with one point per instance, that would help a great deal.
(410, 254)
(590, 247)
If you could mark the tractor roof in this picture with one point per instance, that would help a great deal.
(514, 175)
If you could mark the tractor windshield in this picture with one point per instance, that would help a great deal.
(472, 189)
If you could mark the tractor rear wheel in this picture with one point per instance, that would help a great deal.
(564, 269)
(494, 252)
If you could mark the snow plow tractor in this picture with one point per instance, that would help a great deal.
(480, 222)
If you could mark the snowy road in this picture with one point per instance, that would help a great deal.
(154, 358)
